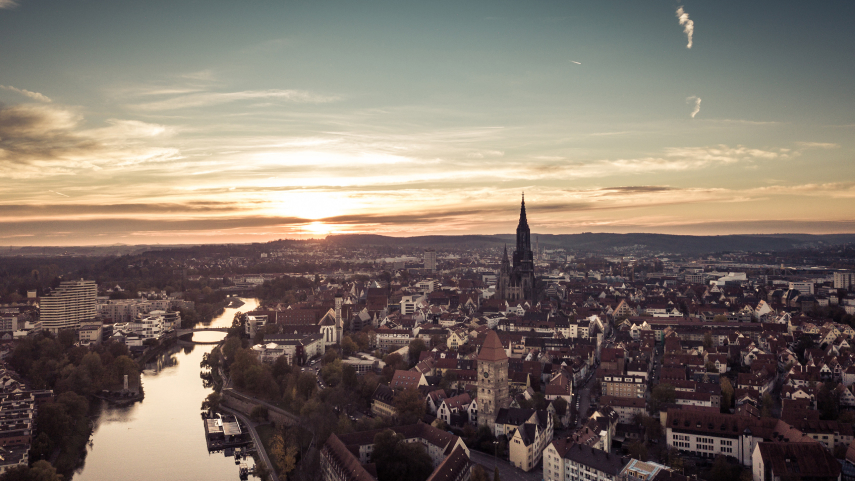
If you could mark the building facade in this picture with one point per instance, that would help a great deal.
(492, 380)
(517, 282)
(70, 304)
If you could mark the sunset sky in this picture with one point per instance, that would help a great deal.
(206, 121)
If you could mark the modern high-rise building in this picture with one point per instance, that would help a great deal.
(70, 304)
(844, 280)
(430, 259)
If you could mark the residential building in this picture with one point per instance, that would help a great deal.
(564, 460)
(778, 461)
(72, 303)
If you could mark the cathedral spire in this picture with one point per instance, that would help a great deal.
(523, 219)
(505, 256)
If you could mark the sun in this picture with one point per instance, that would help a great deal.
(318, 228)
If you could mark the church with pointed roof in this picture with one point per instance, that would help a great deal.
(517, 282)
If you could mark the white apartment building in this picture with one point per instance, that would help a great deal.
(148, 327)
(803, 287)
(565, 461)
(69, 305)
(844, 280)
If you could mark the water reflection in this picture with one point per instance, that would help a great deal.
(162, 437)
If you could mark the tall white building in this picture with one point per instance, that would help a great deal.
(69, 305)
(430, 259)
(844, 280)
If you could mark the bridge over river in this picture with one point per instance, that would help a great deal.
(184, 335)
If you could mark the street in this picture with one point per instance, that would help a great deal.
(259, 447)
(506, 471)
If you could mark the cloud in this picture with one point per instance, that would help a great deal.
(577, 63)
(43, 140)
(697, 101)
(8, 4)
(688, 25)
(818, 145)
(208, 99)
(28, 93)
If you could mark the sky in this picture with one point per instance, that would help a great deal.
(206, 121)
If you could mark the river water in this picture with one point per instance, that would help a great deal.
(162, 437)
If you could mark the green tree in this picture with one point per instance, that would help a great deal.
(726, 394)
(348, 346)
(212, 402)
(259, 413)
(637, 450)
(479, 474)
(708, 342)
(397, 460)
(417, 346)
(410, 406)
(722, 470)
(662, 394)
(766, 405)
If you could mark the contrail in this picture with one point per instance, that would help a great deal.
(688, 25)
(577, 63)
(697, 101)
(59, 193)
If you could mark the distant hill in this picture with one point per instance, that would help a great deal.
(611, 243)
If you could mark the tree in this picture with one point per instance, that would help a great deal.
(212, 402)
(722, 470)
(708, 341)
(721, 318)
(726, 394)
(39, 471)
(410, 406)
(828, 401)
(259, 413)
(417, 346)
(662, 394)
(397, 460)
(766, 405)
(479, 474)
(348, 346)
(560, 405)
(637, 450)
(285, 457)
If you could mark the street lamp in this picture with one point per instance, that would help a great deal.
(495, 449)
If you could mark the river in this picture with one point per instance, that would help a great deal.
(162, 437)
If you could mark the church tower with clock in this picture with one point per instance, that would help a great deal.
(492, 380)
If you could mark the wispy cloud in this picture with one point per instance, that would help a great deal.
(697, 101)
(27, 93)
(577, 63)
(818, 145)
(218, 98)
(7, 4)
(44, 140)
(688, 24)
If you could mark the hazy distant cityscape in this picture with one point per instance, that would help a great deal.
(359, 358)
(338, 240)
